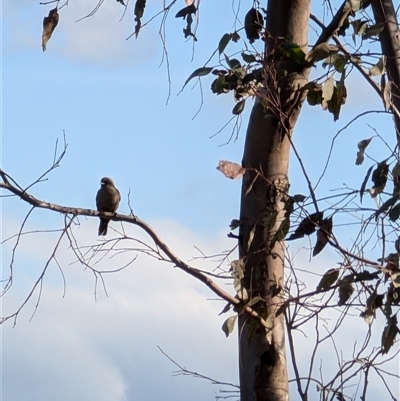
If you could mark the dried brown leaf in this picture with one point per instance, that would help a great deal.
(231, 170)
(49, 24)
(362, 145)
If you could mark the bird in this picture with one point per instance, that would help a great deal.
(107, 200)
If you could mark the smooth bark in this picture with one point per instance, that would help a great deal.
(263, 370)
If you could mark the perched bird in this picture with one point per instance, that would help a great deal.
(107, 200)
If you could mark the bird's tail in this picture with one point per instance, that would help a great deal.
(103, 226)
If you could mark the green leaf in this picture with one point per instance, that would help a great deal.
(314, 97)
(394, 212)
(362, 145)
(359, 26)
(248, 58)
(343, 27)
(200, 72)
(379, 67)
(328, 279)
(389, 334)
(139, 11)
(253, 23)
(364, 183)
(346, 289)
(379, 178)
(187, 11)
(323, 235)
(307, 226)
(224, 42)
(239, 107)
(373, 30)
(338, 61)
(229, 325)
(294, 52)
(234, 64)
(281, 232)
(321, 51)
(218, 86)
(339, 97)
(327, 92)
(386, 205)
(238, 275)
(227, 307)
(374, 301)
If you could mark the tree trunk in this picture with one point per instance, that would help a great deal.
(384, 12)
(263, 370)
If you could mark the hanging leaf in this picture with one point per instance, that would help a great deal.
(379, 67)
(294, 52)
(238, 276)
(373, 30)
(239, 107)
(364, 183)
(386, 90)
(231, 170)
(227, 308)
(234, 64)
(49, 24)
(374, 301)
(224, 42)
(321, 51)
(362, 145)
(338, 61)
(394, 212)
(345, 291)
(365, 275)
(235, 37)
(140, 5)
(187, 32)
(184, 12)
(338, 98)
(307, 226)
(359, 27)
(314, 95)
(281, 232)
(379, 178)
(343, 28)
(229, 325)
(200, 72)
(386, 205)
(253, 23)
(248, 58)
(327, 92)
(323, 234)
(328, 279)
(389, 334)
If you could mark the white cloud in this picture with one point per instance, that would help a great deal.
(108, 348)
(77, 348)
(99, 39)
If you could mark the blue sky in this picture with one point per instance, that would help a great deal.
(109, 96)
